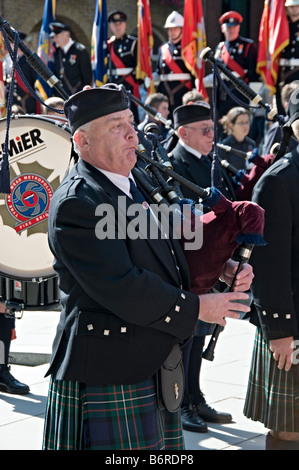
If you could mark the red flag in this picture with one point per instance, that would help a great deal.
(194, 41)
(145, 44)
(274, 36)
(2, 88)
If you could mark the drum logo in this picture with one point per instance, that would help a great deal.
(29, 200)
(27, 205)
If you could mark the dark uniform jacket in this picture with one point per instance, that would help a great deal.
(124, 302)
(125, 50)
(243, 52)
(73, 68)
(289, 57)
(288, 63)
(238, 161)
(198, 171)
(174, 89)
(276, 265)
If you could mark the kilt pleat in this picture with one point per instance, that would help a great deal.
(273, 394)
(63, 424)
(110, 417)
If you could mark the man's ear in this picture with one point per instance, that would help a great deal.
(81, 139)
(182, 131)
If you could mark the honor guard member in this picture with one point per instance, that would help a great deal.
(239, 54)
(172, 76)
(21, 95)
(289, 57)
(71, 61)
(122, 57)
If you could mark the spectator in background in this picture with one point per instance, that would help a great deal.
(160, 104)
(56, 103)
(274, 133)
(192, 96)
(236, 124)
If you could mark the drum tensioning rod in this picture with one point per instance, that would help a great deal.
(35, 61)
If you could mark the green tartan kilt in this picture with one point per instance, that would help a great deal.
(272, 394)
(111, 417)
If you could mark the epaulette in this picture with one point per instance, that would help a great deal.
(73, 185)
(250, 41)
(79, 46)
(280, 165)
(133, 38)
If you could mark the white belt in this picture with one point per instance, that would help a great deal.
(289, 62)
(123, 71)
(175, 77)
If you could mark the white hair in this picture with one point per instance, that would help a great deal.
(84, 127)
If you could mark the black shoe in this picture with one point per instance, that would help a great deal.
(9, 384)
(210, 415)
(192, 422)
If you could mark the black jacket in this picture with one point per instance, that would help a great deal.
(276, 265)
(73, 68)
(124, 302)
(198, 171)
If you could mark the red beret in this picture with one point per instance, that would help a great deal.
(232, 18)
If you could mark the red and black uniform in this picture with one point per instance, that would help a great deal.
(175, 78)
(240, 57)
(122, 62)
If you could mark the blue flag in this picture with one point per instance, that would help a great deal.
(46, 48)
(99, 44)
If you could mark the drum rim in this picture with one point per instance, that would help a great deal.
(41, 117)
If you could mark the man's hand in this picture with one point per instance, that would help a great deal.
(282, 352)
(243, 279)
(215, 307)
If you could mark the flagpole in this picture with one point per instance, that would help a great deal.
(35, 61)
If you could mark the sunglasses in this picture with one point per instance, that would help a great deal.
(205, 131)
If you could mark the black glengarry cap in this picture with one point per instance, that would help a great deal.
(90, 104)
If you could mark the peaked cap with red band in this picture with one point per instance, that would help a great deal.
(231, 18)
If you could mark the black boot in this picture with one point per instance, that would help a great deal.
(192, 422)
(9, 384)
(272, 443)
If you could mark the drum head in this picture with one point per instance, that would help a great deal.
(39, 156)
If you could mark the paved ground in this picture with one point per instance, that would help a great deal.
(224, 383)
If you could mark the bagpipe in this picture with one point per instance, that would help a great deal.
(227, 226)
(229, 229)
(251, 95)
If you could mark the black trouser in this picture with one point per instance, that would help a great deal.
(6, 327)
(192, 358)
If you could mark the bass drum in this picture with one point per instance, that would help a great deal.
(40, 150)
